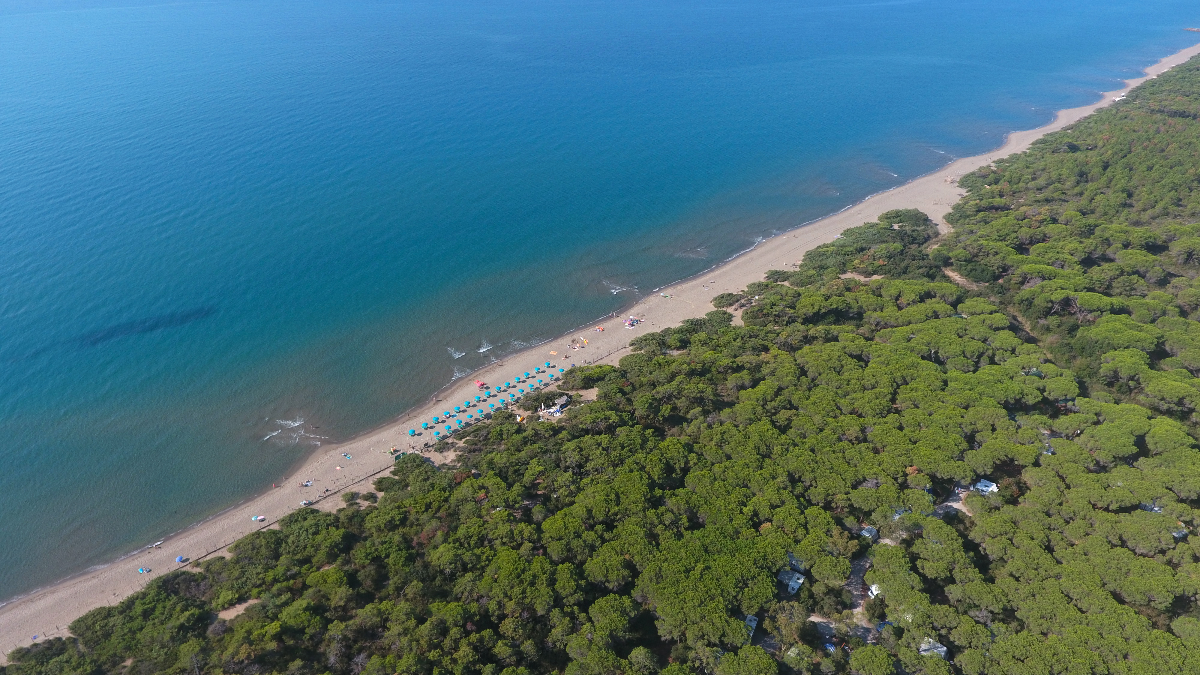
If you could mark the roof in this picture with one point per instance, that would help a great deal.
(931, 648)
(985, 485)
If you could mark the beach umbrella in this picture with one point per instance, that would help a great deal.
(526, 374)
(178, 558)
(478, 398)
(437, 433)
(424, 425)
(435, 419)
(561, 370)
(551, 376)
(507, 385)
(457, 409)
(412, 432)
(470, 416)
(538, 369)
(491, 405)
(547, 364)
(449, 428)
(539, 382)
(466, 404)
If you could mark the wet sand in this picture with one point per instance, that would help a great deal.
(47, 612)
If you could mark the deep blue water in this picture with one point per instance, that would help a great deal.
(220, 220)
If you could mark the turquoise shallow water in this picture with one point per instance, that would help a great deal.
(231, 230)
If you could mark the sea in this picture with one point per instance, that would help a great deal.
(232, 231)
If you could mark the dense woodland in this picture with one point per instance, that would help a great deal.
(638, 532)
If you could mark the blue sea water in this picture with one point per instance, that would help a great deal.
(232, 230)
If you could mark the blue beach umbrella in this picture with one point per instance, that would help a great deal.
(491, 405)
(424, 425)
(457, 409)
(507, 385)
(538, 369)
(437, 433)
(561, 370)
(178, 558)
(449, 428)
(477, 398)
(412, 432)
(551, 376)
(466, 404)
(435, 419)
(547, 364)
(470, 417)
(526, 374)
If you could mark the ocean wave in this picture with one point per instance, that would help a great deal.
(484, 347)
(614, 288)
(454, 353)
(459, 373)
(291, 424)
(273, 433)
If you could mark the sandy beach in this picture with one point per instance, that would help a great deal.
(353, 465)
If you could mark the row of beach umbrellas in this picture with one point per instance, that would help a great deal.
(529, 380)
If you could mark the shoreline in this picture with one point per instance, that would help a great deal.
(47, 611)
